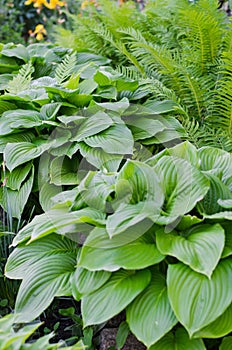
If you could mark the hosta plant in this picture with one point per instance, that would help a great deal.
(151, 237)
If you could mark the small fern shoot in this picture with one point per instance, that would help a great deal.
(22, 80)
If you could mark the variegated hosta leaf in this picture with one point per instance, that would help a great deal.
(56, 219)
(102, 253)
(113, 296)
(196, 300)
(150, 315)
(219, 328)
(178, 341)
(183, 184)
(200, 247)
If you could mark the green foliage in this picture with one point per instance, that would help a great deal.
(183, 48)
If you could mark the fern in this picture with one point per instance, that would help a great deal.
(22, 80)
(66, 68)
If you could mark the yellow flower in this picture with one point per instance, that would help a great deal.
(52, 4)
(37, 3)
(40, 31)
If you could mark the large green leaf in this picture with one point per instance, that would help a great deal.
(102, 253)
(17, 176)
(56, 219)
(13, 138)
(64, 171)
(214, 160)
(44, 280)
(178, 341)
(92, 126)
(143, 128)
(200, 247)
(150, 315)
(14, 201)
(100, 159)
(196, 300)
(46, 193)
(138, 182)
(113, 296)
(116, 140)
(18, 153)
(13, 121)
(183, 184)
(86, 282)
(24, 256)
(219, 328)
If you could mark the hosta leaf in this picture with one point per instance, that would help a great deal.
(19, 51)
(102, 253)
(119, 106)
(138, 182)
(217, 191)
(56, 219)
(95, 188)
(13, 138)
(150, 315)
(187, 151)
(200, 247)
(17, 176)
(86, 282)
(47, 191)
(196, 300)
(43, 281)
(113, 296)
(143, 128)
(225, 203)
(100, 159)
(14, 201)
(24, 256)
(219, 328)
(128, 215)
(159, 107)
(93, 125)
(50, 110)
(116, 140)
(214, 159)
(13, 121)
(21, 152)
(226, 343)
(178, 341)
(183, 184)
(4, 105)
(64, 171)
(87, 86)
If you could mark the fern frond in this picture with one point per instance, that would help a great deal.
(22, 80)
(66, 68)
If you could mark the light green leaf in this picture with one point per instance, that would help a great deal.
(13, 121)
(64, 171)
(102, 253)
(200, 247)
(122, 334)
(17, 176)
(56, 219)
(196, 300)
(183, 184)
(178, 341)
(150, 315)
(46, 193)
(143, 128)
(187, 151)
(93, 125)
(24, 256)
(19, 51)
(18, 153)
(100, 159)
(219, 328)
(43, 281)
(50, 110)
(116, 140)
(113, 296)
(225, 203)
(159, 107)
(86, 282)
(19, 137)
(14, 201)
(87, 86)
(119, 106)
